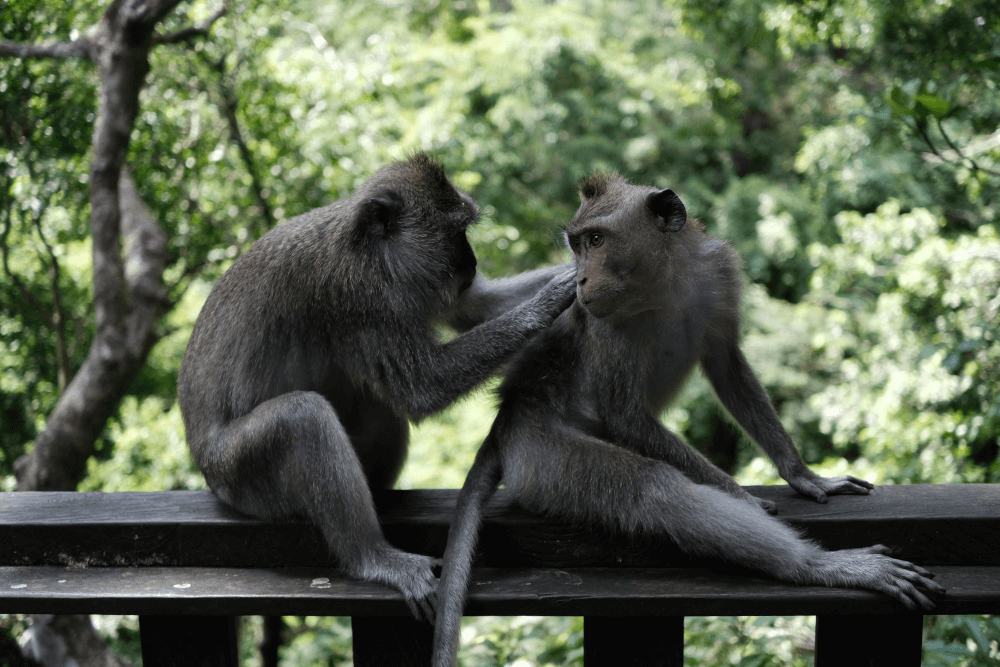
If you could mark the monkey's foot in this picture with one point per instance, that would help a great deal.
(768, 506)
(410, 574)
(818, 488)
(871, 568)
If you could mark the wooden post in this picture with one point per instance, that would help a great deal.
(391, 640)
(869, 640)
(639, 641)
(189, 641)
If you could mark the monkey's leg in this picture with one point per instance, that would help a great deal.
(648, 437)
(379, 437)
(560, 472)
(745, 399)
(479, 486)
(291, 456)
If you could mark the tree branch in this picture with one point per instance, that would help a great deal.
(230, 104)
(188, 34)
(128, 301)
(81, 48)
(4, 254)
(58, 316)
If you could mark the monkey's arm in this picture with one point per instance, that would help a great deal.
(487, 299)
(743, 396)
(422, 378)
(481, 483)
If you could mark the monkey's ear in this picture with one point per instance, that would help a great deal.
(668, 207)
(380, 213)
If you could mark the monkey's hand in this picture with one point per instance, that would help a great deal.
(552, 299)
(813, 486)
(871, 568)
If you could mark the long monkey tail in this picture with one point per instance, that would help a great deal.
(481, 483)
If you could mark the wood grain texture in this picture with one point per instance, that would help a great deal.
(626, 592)
(928, 524)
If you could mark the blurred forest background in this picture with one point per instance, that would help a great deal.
(849, 150)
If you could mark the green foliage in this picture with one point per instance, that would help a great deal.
(750, 641)
(961, 641)
(527, 641)
(913, 339)
(317, 642)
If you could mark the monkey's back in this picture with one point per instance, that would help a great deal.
(272, 323)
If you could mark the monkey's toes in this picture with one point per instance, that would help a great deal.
(768, 506)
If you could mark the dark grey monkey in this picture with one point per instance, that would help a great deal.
(317, 345)
(577, 436)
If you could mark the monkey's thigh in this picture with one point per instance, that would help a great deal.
(291, 456)
(380, 437)
(559, 470)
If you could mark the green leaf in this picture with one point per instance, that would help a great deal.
(934, 104)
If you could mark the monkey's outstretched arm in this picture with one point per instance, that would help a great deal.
(435, 376)
(744, 398)
(486, 299)
(479, 487)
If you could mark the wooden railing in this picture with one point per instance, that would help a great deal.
(187, 564)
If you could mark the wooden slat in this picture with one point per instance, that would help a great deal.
(624, 592)
(929, 524)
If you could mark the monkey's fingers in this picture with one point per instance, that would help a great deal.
(807, 488)
(846, 485)
(860, 482)
(908, 594)
(874, 549)
(918, 576)
(422, 608)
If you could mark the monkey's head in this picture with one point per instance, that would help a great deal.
(410, 221)
(623, 237)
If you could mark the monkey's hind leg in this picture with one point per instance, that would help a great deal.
(555, 469)
(291, 456)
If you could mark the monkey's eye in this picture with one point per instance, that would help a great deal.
(595, 239)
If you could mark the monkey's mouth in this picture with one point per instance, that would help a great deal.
(600, 303)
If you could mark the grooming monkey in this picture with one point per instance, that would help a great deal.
(314, 349)
(577, 435)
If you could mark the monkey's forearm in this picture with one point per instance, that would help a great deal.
(433, 381)
(744, 398)
(487, 299)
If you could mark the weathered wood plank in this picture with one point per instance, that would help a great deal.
(623, 591)
(929, 524)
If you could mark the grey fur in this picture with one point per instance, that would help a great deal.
(319, 343)
(577, 435)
